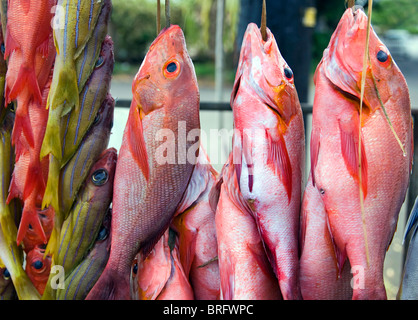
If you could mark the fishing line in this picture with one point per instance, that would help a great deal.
(366, 58)
(263, 26)
(158, 17)
(167, 14)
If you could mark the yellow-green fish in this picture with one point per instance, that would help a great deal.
(74, 25)
(80, 281)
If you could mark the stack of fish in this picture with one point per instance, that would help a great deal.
(177, 229)
(63, 171)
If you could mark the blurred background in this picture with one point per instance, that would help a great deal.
(214, 31)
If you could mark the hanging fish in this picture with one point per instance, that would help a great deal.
(75, 172)
(7, 291)
(196, 230)
(79, 21)
(80, 229)
(29, 174)
(38, 267)
(161, 276)
(166, 96)
(93, 55)
(361, 235)
(245, 272)
(265, 172)
(28, 34)
(80, 281)
(324, 280)
(75, 125)
(408, 289)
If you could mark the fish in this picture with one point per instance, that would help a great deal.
(38, 267)
(93, 56)
(80, 281)
(75, 125)
(29, 174)
(165, 96)
(79, 19)
(196, 231)
(267, 164)
(80, 229)
(324, 280)
(28, 33)
(244, 269)
(362, 236)
(7, 290)
(3, 19)
(407, 289)
(75, 172)
(161, 275)
(3, 71)
(11, 257)
(32, 238)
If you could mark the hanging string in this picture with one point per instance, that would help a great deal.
(167, 14)
(263, 26)
(158, 16)
(363, 84)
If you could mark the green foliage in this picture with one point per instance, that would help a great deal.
(133, 26)
(400, 14)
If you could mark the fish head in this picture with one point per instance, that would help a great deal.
(263, 69)
(166, 76)
(38, 267)
(106, 58)
(344, 58)
(102, 174)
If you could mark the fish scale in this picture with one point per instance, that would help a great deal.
(334, 149)
(143, 209)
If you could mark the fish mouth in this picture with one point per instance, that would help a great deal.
(366, 108)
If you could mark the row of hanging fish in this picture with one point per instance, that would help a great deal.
(125, 226)
(57, 170)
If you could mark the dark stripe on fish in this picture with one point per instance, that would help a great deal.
(66, 29)
(72, 233)
(77, 24)
(80, 115)
(86, 221)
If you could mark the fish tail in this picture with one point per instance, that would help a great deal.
(51, 195)
(112, 285)
(66, 93)
(52, 138)
(26, 79)
(54, 240)
(23, 125)
(34, 177)
(30, 219)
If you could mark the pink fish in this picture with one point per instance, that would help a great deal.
(335, 148)
(262, 181)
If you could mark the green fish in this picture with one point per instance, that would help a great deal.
(74, 24)
(88, 60)
(80, 229)
(7, 290)
(75, 172)
(82, 279)
(74, 126)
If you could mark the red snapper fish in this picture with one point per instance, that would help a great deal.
(262, 182)
(166, 98)
(335, 160)
(29, 32)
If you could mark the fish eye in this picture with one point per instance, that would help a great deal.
(3, 49)
(171, 69)
(38, 264)
(6, 274)
(382, 56)
(102, 234)
(96, 119)
(135, 268)
(99, 62)
(100, 177)
(288, 73)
